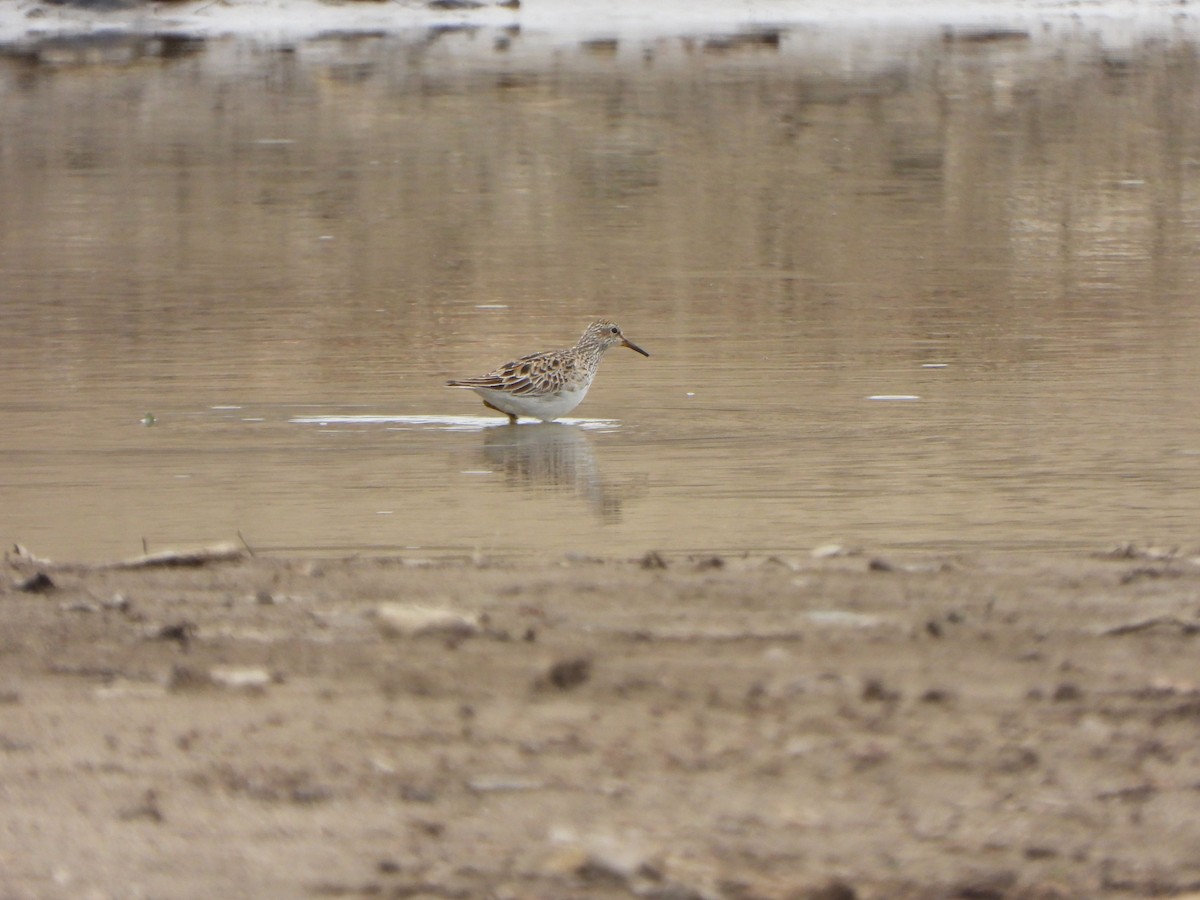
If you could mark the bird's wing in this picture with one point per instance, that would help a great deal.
(535, 375)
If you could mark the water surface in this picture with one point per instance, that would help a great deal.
(910, 288)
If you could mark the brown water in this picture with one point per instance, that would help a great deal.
(281, 253)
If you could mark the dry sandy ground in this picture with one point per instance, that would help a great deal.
(975, 727)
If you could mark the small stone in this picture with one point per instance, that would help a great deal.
(182, 632)
(252, 680)
(147, 809)
(397, 620)
(1067, 693)
(118, 602)
(842, 618)
(937, 695)
(789, 564)
(875, 690)
(569, 673)
(653, 560)
(1038, 851)
(600, 858)
(829, 551)
(38, 583)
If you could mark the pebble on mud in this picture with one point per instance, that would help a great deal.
(829, 551)
(398, 620)
(182, 632)
(1067, 693)
(602, 857)
(118, 602)
(146, 808)
(842, 618)
(653, 560)
(242, 678)
(566, 674)
(875, 690)
(38, 583)
(250, 679)
(937, 695)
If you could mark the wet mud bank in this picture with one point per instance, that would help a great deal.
(852, 726)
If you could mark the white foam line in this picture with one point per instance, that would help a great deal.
(449, 423)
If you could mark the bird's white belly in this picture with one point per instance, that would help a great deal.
(548, 407)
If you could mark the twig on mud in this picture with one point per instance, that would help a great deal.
(245, 543)
(216, 553)
(1184, 627)
(1134, 792)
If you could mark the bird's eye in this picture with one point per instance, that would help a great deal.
(615, 330)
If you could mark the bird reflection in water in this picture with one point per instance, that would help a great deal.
(552, 455)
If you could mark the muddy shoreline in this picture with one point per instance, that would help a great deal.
(97, 23)
(856, 726)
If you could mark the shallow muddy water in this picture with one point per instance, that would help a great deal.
(914, 289)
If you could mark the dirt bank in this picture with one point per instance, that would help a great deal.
(977, 727)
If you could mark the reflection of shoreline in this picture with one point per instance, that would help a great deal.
(551, 455)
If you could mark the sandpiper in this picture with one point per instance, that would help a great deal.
(548, 385)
